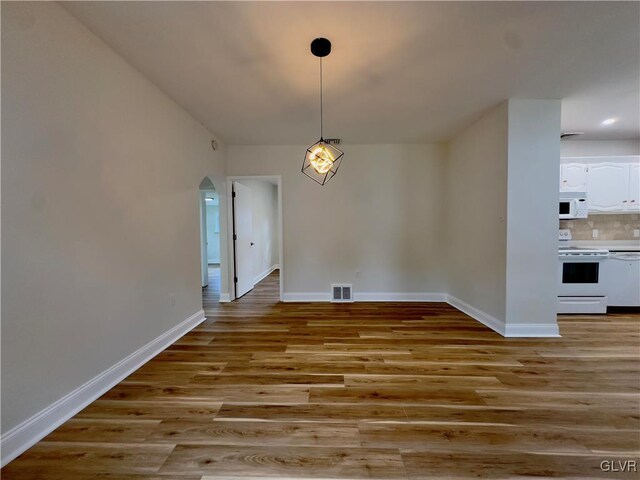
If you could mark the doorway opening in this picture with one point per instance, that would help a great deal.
(210, 244)
(256, 237)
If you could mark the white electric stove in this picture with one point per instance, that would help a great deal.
(580, 286)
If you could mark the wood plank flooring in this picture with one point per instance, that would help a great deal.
(367, 390)
(211, 293)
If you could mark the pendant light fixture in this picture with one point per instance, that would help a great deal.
(321, 160)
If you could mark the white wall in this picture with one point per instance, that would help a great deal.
(476, 207)
(597, 148)
(266, 248)
(532, 214)
(380, 216)
(502, 182)
(100, 216)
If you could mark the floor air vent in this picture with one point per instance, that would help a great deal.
(341, 293)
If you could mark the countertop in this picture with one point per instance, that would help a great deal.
(611, 245)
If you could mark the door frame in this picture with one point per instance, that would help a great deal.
(230, 243)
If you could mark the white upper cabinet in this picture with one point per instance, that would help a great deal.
(612, 183)
(634, 188)
(573, 177)
(608, 187)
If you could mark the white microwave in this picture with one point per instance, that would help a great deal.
(573, 205)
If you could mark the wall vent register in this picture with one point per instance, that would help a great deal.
(341, 293)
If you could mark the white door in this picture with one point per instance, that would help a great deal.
(608, 187)
(243, 234)
(634, 187)
(573, 177)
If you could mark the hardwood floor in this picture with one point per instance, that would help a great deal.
(211, 293)
(367, 390)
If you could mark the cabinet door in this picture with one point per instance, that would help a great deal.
(608, 187)
(573, 177)
(634, 188)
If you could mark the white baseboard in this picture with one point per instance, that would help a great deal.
(495, 324)
(265, 274)
(532, 330)
(29, 432)
(506, 330)
(306, 297)
(225, 298)
(490, 321)
(399, 297)
(367, 297)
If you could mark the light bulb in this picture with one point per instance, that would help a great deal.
(321, 160)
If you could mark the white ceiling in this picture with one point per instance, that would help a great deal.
(399, 72)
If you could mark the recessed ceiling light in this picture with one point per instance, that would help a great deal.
(609, 121)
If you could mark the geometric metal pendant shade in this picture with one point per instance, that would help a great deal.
(321, 161)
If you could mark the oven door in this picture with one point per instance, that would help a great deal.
(567, 208)
(580, 277)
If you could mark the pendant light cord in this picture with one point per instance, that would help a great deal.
(321, 132)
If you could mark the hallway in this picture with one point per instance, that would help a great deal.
(264, 293)
(211, 293)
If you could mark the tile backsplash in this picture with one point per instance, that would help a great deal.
(610, 227)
